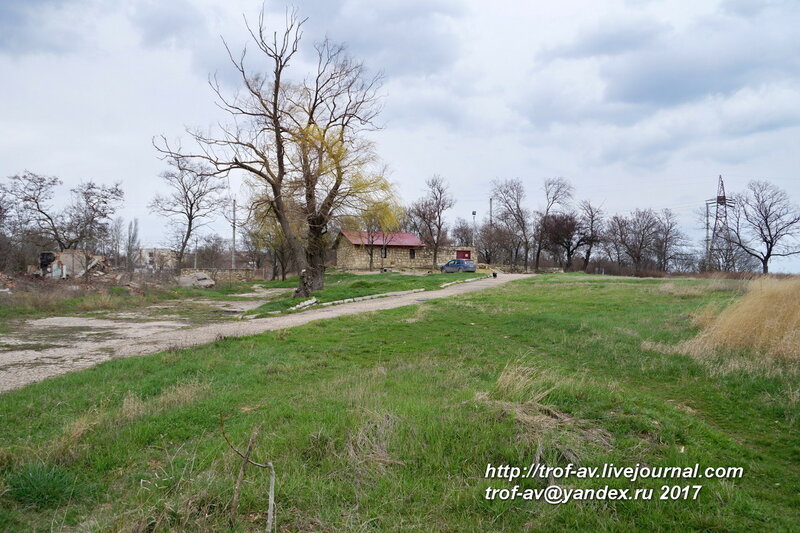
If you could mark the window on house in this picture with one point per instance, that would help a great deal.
(412, 253)
(383, 252)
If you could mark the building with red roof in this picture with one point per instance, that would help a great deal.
(364, 250)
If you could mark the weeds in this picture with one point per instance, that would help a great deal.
(41, 485)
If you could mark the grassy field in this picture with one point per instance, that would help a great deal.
(386, 421)
(49, 299)
(341, 285)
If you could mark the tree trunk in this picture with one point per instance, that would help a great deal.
(312, 277)
(527, 252)
(586, 258)
(765, 266)
(538, 255)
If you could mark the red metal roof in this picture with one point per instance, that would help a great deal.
(399, 238)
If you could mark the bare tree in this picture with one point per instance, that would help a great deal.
(612, 240)
(637, 236)
(303, 141)
(669, 241)
(194, 196)
(132, 246)
(116, 239)
(5, 209)
(564, 232)
(488, 242)
(427, 215)
(463, 233)
(557, 191)
(510, 196)
(764, 223)
(84, 221)
(592, 224)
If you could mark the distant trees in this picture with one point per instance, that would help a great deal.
(510, 197)
(427, 215)
(194, 194)
(669, 241)
(83, 221)
(557, 191)
(6, 247)
(764, 223)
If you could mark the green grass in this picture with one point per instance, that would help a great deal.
(343, 285)
(386, 421)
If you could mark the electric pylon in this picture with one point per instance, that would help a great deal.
(719, 246)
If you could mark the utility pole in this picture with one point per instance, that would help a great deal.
(708, 242)
(474, 227)
(233, 240)
(491, 224)
(195, 253)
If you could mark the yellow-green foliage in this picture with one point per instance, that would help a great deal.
(766, 320)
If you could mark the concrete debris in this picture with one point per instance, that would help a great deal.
(303, 305)
(196, 279)
(68, 264)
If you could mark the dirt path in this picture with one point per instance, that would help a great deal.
(92, 341)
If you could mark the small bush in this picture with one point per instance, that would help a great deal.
(41, 485)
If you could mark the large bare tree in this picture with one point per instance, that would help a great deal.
(669, 240)
(557, 191)
(637, 234)
(510, 196)
(564, 232)
(764, 223)
(427, 215)
(195, 194)
(302, 140)
(83, 221)
(593, 225)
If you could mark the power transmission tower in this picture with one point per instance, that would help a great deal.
(719, 247)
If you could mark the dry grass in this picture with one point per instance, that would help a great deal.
(521, 392)
(171, 397)
(367, 446)
(715, 284)
(766, 321)
(182, 394)
(65, 448)
(132, 407)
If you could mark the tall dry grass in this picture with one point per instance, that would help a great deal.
(766, 321)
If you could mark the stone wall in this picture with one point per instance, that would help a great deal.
(352, 257)
(227, 275)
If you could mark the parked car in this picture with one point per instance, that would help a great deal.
(458, 265)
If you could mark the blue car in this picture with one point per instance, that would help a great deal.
(458, 265)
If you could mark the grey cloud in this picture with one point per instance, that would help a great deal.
(175, 22)
(717, 55)
(398, 37)
(27, 26)
(608, 40)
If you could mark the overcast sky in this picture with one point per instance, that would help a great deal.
(639, 103)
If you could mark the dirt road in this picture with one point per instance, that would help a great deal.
(92, 341)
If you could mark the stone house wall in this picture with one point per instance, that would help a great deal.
(356, 257)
